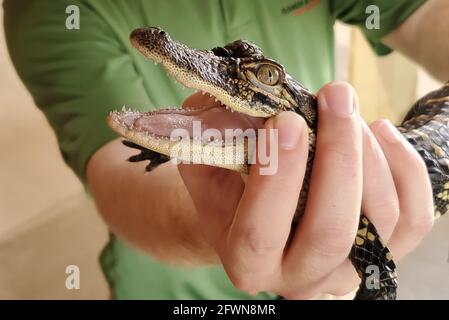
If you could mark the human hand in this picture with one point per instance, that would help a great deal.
(356, 168)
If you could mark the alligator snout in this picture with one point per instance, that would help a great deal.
(148, 36)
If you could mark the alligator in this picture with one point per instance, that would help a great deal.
(244, 81)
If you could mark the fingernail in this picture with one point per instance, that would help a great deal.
(289, 128)
(338, 97)
(388, 132)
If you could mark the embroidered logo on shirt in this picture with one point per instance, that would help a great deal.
(299, 7)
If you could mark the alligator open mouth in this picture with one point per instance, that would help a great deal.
(211, 122)
(210, 133)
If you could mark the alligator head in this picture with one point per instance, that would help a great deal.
(237, 75)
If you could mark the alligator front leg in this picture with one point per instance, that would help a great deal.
(155, 158)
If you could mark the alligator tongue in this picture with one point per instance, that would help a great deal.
(164, 122)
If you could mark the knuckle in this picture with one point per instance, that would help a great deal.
(333, 242)
(384, 214)
(259, 243)
(428, 225)
(246, 284)
(252, 259)
(421, 225)
(343, 290)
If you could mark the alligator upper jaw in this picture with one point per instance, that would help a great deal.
(188, 66)
(167, 123)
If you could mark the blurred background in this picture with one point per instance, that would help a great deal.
(47, 222)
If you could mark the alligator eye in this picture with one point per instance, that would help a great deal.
(268, 74)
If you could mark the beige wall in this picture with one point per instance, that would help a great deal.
(46, 221)
(386, 86)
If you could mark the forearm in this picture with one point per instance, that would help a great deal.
(152, 211)
(424, 37)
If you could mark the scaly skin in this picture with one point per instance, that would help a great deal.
(242, 79)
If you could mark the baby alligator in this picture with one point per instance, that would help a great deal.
(243, 80)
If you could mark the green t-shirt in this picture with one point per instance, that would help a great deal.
(77, 76)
